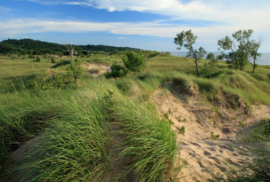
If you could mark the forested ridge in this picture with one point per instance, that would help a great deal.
(36, 47)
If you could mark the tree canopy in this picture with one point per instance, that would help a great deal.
(188, 39)
(36, 47)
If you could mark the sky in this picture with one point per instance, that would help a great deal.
(144, 24)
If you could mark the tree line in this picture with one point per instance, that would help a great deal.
(36, 47)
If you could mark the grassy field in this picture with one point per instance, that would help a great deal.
(72, 129)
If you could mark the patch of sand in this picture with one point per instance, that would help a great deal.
(100, 69)
(206, 156)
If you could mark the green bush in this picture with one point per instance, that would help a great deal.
(117, 71)
(37, 59)
(53, 60)
(54, 82)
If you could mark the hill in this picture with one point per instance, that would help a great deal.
(36, 47)
(165, 124)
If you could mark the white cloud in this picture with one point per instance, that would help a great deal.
(206, 34)
(4, 8)
(236, 13)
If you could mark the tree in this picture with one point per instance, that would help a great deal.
(52, 60)
(134, 62)
(37, 59)
(189, 39)
(117, 71)
(227, 44)
(71, 51)
(213, 62)
(254, 51)
(244, 45)
(238, 56)
(75, 70)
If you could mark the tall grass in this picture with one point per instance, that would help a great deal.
(149, 142)
(73, 148)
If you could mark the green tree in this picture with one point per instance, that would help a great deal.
(75, 70)
(117, 71)
(227, 44)
(254, 51)
(134, 62)
(240, 55)
(213, 62)
(244, 45)
(37, 59)
(188, 39)
(53, 60)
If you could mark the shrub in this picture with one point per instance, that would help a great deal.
(117, 71)
(53, 60)
(37, 59)
(54, 82)
(182, 130)
(134, 62)
(214, 137)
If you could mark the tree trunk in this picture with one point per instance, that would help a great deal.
(197, 69)
(253, 66)
(76, 81)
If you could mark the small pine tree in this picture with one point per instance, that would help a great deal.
(117, 71)
(134, 62)
(75, 70)
(37, 59)
(53, 60)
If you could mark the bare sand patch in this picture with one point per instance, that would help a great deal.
(206, 156)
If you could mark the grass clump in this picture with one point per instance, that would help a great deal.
(149, 141)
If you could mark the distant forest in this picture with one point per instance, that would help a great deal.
(36, 47)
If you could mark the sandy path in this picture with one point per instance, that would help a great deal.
(204, 155)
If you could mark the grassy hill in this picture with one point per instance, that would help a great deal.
(36, 47)
(73, 130)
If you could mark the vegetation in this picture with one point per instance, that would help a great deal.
(189, 39)
(117, 71)
(238, 57)
(70, 124)
(35, 47)
(134, 62)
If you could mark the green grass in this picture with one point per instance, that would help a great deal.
(71, 126)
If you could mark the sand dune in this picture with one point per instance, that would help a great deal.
(205, 156)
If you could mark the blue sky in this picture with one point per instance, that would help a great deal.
(145, 24)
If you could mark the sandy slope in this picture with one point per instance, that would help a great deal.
(204, 155)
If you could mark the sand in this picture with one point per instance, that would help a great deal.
(102, 69)
(203, 155)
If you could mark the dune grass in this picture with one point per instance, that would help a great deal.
(71, 127)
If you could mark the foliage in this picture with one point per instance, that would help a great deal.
(75, 70)
(214, 137)
(238, 56)
(117, 71)
(134, 62)
(187, 39)
(37, 59)
(35, 47)
(53, 60)
(53, 82)
(182, 130)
